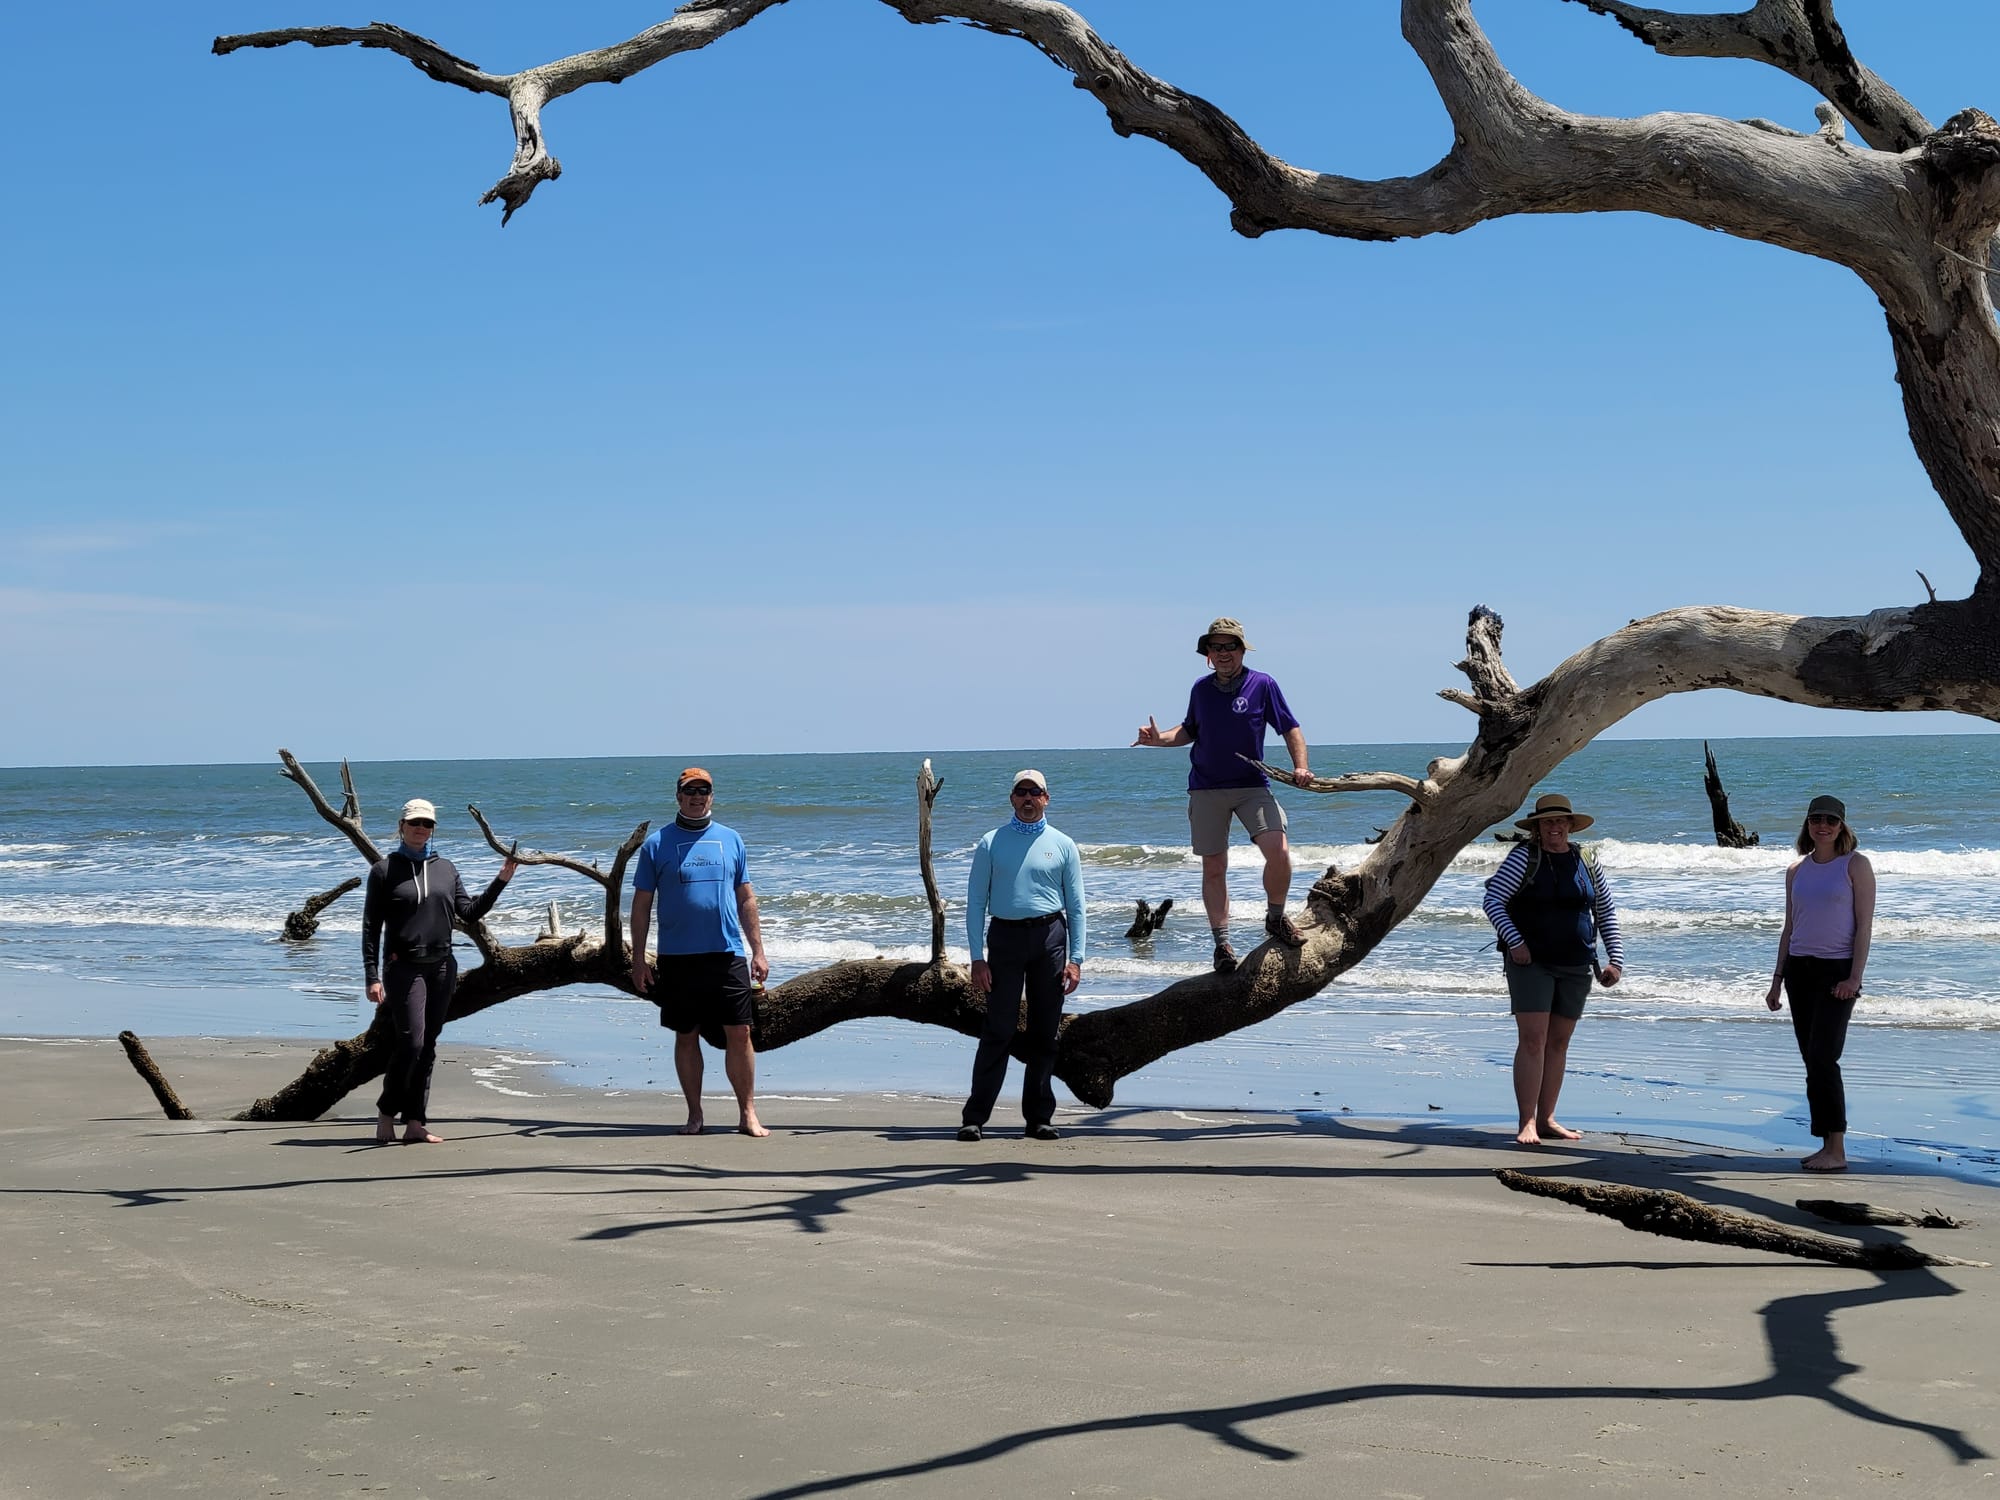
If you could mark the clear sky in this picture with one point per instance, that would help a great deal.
(857, 388)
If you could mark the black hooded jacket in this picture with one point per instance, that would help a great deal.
(416, 899)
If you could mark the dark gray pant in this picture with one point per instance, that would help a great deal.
(417, 998)
(1031, 958)
(1819, 1022)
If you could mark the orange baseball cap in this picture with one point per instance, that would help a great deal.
(693, 773)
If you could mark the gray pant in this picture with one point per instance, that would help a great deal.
(1022, 956)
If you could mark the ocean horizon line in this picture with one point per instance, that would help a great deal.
(1979, 729)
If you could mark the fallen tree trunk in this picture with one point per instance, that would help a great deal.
(1679, 1217)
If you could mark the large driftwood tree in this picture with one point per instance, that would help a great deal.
(1911, 209)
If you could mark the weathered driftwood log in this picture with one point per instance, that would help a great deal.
(1833, 1211)
(1913, 217)
(304, 922)
(142, 1060)
(1679, 1217)
(552, 930)
(1149, 920)
(1729, 834)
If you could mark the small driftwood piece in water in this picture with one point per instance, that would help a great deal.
(1833, 1211)
(1149, 920)
(1679, 1217)
(1729, 834)
(143, 1064)
(553, 931)
(304, 922)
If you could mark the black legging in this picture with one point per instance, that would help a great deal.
(417, 998)
(1820, 1023)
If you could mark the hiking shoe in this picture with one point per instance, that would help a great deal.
(1225, 958)
(1279, 926)
(1042, 1132)
(969, 1133)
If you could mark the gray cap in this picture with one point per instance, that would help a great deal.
(1827, 805)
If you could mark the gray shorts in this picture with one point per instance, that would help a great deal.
(1210, 809)
(1537, 986)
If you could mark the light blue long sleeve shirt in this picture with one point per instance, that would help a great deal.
(1020, 871)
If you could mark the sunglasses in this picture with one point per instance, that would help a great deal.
(1024, 790)
(421, 822)
(697, 789)
(1826, 818)
(1215, 646)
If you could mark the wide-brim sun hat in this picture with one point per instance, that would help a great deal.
(1222, 625)
(1555, 805)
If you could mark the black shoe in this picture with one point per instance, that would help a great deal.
(1042, 1132)
(969, 1133)
(1225, 958)
(1279, 926)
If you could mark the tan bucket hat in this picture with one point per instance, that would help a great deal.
(1555, 805)
(1222, 625)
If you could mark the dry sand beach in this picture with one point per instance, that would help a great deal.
(568, 1299)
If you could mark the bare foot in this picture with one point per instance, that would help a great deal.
(1527, 1136)
(385, 1129)
(1553, 1130)
(419, 1134)
(693, 1126)
(749, 1125)
(1825, 1161)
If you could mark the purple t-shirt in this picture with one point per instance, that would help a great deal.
(1226, 725)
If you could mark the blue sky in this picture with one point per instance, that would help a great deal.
(857, 388)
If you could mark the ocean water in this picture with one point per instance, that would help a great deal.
(152, 898)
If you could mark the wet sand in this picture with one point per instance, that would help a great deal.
(567, 1298)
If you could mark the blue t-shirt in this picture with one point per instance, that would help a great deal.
(696, 875)
(1223, 726)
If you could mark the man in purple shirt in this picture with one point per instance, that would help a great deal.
(1226, 717)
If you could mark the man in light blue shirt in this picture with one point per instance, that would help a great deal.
(1024, 924)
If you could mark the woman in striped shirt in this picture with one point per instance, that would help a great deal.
(1549, 903)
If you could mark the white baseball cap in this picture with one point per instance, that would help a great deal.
(416, 807)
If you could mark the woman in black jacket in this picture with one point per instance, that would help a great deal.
(415, 894)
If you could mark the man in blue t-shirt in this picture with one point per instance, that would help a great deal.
(1027, 881)
(699, 873)
(1227, 713)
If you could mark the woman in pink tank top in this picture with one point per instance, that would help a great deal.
(1829, 919)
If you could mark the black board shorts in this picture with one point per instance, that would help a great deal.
(703, 992)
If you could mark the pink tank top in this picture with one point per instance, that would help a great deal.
(1823, 909)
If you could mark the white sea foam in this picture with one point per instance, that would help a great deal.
(35, 848)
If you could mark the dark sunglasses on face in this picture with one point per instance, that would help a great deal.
(421, 822)
(1029, 791)
(1825, 818)
(698, 789)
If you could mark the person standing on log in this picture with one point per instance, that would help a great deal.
(708, 974)
(1028, 879)
(1822, 949)
(414, 893)
(1549, 903)
(1226, 717)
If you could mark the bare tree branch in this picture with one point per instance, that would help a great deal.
(514, 851)
(614, 888)
(142, 1063)
(428, 57)
(1679, 1217)
(928, 787)
(1799, 37)
(303, 923)
(1423, 793)
(347, 821)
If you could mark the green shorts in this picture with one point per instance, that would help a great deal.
(1535, 987)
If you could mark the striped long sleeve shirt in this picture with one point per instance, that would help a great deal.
(1506, 884)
